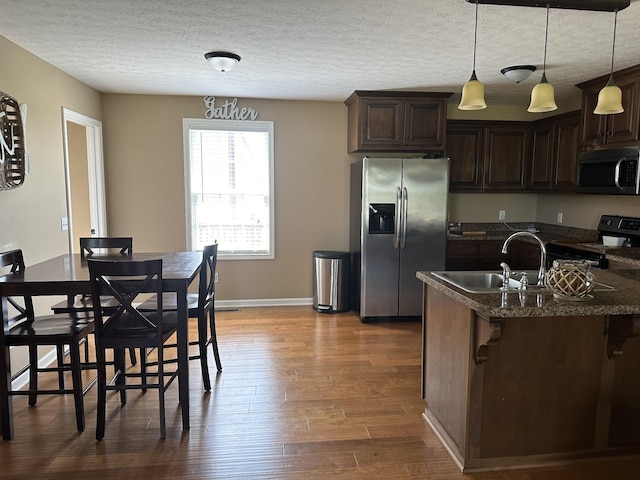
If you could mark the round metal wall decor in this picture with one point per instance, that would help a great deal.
(12, 144)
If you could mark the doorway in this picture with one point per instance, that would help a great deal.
(84, 177)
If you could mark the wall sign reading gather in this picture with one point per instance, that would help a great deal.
(12, 144)
(228, 110)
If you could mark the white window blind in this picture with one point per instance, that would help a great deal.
(229, 185)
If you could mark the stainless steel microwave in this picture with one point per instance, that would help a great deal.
(614, 171)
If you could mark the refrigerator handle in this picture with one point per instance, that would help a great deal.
(405, 200)
(396, 234)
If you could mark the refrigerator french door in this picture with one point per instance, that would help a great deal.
(398, 226)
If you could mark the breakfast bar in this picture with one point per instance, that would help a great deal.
(520, 378)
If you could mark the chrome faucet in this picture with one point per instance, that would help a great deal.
(543, 252)
(506, 275)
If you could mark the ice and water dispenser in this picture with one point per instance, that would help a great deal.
(382, 218)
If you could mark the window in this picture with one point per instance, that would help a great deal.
(229, 186)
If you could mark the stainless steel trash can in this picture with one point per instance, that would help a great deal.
(331, 281)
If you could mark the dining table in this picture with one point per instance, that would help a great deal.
(67, 275)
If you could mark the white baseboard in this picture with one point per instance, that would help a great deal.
(263, 302)
(43, 362)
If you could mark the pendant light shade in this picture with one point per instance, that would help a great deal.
(542, 95)
(610, 97)
(473, 90)
(472, 95)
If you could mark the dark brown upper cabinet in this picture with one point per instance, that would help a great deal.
(621, 129)
(555, 153)
(396, 121)
(506, 156)
(497, 156)
(488, 155)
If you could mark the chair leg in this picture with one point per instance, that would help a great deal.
(76, 378)
(202, 348)
(86, 350)
(132, 356)
(143, 368)
(161, 388)
(60, 359)
(102, 393)
(214, 338)
(33, 375)
(118, 357)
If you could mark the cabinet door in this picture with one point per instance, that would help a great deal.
(506, 152)
(525, 256)
(464, 148)
(592, 125)
(623, 127)
(490, 254)
(566, 153)
(620, 128)
(542, 156)
(382, 122)
(424, 123)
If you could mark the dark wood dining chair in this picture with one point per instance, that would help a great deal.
(89, 247)
(201, 307)
(24, 328)
(128, 327)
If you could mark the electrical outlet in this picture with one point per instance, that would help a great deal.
(559, 217)
(64, 224)
(502, 215)
(215, 279)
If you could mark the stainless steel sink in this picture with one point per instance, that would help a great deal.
(476, 281)
(492, 282)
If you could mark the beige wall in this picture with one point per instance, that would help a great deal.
(145, 186)
(30, 215)
(584, 211)
(484, 207)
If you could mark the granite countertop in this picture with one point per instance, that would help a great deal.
(625, 299)
(547, 233)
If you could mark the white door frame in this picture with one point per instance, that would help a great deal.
(97, 207)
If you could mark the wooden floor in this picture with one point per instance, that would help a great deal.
(302, 395)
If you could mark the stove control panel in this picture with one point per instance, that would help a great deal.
(621, 227)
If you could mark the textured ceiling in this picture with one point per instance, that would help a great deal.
(316, 49)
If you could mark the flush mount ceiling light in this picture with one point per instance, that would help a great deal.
(518, 73)
(593, 5)
(610, 97)
(473, 90)
(222, 61)
(542, 96)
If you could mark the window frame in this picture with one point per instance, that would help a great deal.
(189, 124)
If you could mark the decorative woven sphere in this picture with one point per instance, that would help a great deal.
(570, 279)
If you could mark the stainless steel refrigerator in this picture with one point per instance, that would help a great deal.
(398, 226)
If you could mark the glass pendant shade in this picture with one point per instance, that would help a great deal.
(472, 95)
(542, 97)
(610, 97)
(609, 100)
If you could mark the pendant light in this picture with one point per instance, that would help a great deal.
(542, 97)
(473, 90)
(610, 97)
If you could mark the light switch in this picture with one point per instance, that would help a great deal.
(64, 224)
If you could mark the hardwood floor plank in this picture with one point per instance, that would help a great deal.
(302, 395)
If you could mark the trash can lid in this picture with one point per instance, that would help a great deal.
(330, 254)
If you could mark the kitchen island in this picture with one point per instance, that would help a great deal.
(523, 379)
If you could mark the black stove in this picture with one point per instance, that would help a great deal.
(595, 253)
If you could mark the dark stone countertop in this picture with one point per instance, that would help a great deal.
(535, 302)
